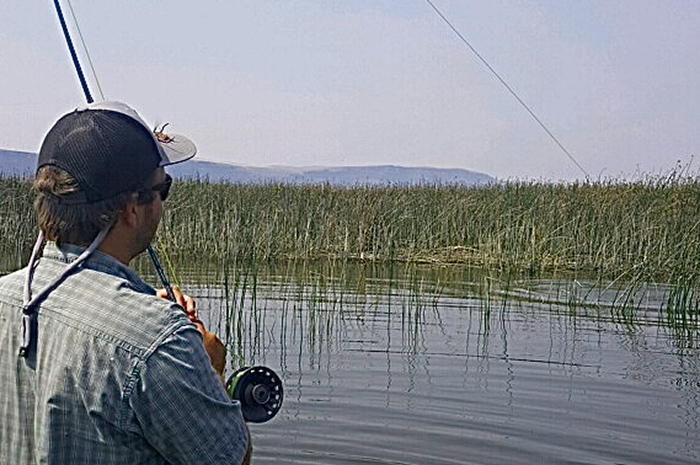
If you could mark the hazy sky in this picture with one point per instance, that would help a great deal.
(360, 82)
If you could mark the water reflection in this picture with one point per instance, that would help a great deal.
(439, 365)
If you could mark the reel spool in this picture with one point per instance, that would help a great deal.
(259, 390)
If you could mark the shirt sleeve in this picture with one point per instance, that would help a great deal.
(181, 407)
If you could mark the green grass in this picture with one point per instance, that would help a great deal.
(641, 230)
(17, 223)
(646, 230)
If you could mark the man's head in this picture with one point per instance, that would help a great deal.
(92, 162)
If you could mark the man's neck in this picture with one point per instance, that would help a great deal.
(115, 246)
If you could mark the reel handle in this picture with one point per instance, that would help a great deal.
(259, 390)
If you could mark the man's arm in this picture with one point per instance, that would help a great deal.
(182, 408)
(212, 344)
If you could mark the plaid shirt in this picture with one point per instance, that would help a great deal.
(118, 376)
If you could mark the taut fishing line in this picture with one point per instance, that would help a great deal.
(510, 89)
(258, 389)
(87, 52)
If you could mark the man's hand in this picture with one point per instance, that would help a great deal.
(214, 347)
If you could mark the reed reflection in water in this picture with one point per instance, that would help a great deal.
(420, 365)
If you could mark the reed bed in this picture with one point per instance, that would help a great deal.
(17, 222)
(647, 230)
(628, 231)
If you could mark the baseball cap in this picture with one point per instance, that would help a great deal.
(108, 149)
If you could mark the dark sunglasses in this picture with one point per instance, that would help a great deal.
(163, 188)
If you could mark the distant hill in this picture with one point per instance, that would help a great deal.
(15, 163)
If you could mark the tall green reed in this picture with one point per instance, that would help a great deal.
(632, 231)
(17, 222)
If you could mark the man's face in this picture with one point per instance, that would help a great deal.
(151, 212)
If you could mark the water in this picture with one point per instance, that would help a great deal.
(415, 366)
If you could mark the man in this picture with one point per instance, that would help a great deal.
(95, 367)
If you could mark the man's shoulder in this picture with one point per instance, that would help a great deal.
(112, 307)
(98, 304)
(11, 286)
(12, 276)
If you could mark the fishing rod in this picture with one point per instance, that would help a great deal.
(88, 97)
(258, 389)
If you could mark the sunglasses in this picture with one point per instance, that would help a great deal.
(163, 188)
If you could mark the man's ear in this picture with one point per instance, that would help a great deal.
(129, 215)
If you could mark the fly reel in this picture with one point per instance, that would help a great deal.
(259, 390)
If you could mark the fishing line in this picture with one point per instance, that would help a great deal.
(510, 89)
(87, 52)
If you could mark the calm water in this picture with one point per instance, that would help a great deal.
(443, 367)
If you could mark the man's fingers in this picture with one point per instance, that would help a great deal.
(184, 300)
(162, 293)
(190, 304)
(179, 296)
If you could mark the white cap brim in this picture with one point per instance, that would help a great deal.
(173, 148)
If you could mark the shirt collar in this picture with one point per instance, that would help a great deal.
(98, 261)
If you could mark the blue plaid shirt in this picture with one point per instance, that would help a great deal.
(118, 376)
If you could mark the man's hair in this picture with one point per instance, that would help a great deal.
(76, 224)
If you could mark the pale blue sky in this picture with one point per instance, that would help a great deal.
(359, 82)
